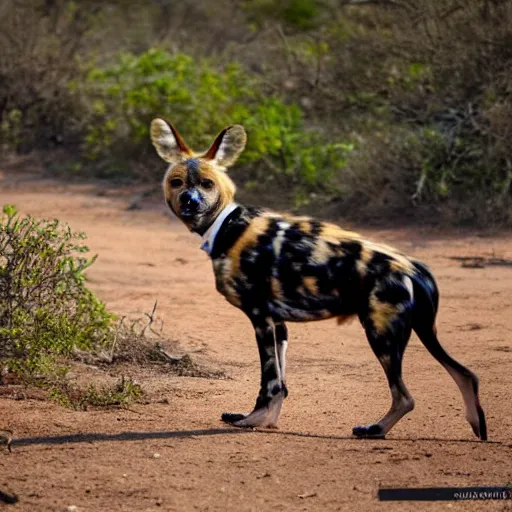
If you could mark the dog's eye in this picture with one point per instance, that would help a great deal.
(207, 184)
(176, 182)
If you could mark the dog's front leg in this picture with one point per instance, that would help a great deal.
(272, 392)
(282, 345)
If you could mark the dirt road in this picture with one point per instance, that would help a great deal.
(178, 456)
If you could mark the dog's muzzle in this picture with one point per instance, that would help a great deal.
(190, 202)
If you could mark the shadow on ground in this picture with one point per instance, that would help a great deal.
(172, 434)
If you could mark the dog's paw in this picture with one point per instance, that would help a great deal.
(374, 431)
(232, 417)
(264, 416)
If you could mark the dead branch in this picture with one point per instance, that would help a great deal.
(168, 357)
(151, 318)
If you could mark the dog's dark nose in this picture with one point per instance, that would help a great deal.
(190, 201)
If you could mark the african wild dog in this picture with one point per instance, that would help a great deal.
(278, 268)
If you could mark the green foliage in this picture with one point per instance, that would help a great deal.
(290, 152)
(126, 95)
(200, 100)
(297, 14)
(46, 309)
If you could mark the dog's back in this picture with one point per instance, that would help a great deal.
(305, 269)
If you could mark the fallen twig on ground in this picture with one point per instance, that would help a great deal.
(481, 262)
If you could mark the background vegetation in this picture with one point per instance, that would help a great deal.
(365, 108)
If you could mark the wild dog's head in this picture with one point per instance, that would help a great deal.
(196, 186)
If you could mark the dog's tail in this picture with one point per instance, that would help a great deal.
(426, 302)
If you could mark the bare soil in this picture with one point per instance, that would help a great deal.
(174, 454)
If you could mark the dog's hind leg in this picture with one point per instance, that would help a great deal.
(270, 399)
(388, 329)
(426, 298)
(465, 379)
(425, 309)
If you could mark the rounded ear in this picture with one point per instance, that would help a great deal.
(227, 146)
(168, 142)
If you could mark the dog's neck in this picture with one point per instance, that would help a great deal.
(209, 235)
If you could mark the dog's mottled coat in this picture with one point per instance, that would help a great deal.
(279, 268)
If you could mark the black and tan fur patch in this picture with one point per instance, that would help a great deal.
(307, 270)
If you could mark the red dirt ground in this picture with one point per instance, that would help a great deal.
(178, 456)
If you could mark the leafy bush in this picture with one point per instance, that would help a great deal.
(291, 154)
(46, 309)
(126, 95)
(200, 100)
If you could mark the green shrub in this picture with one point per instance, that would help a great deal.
(46, 309)
(200, 100)
(292, 154)
(126, 95)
